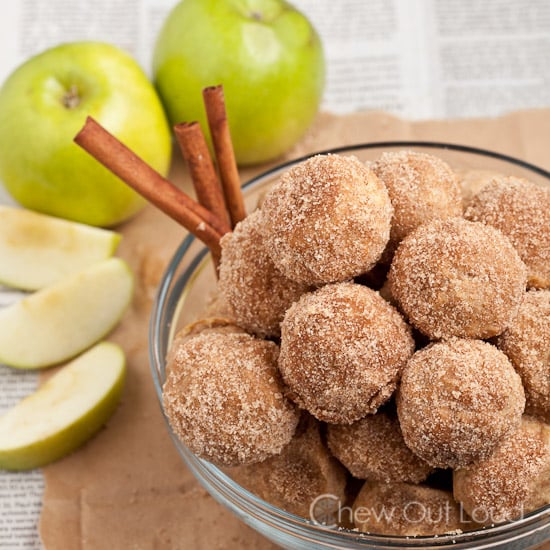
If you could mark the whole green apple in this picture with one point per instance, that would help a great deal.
(265, 53)
(44, 103)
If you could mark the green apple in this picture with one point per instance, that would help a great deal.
(65, 412)
(44, 103)
(265, 53)
(61, 320)
(37, 250)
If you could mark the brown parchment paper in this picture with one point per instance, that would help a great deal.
(127, 488)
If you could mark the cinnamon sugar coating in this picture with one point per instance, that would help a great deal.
(342, 351)
(421, 188)
(457, 278)
(512, 481)
(473, 181)
(294, 479)
(327, 220)
(373, 448)
(521, 210)
(457, 400)
(217, 306)
(206, 325)
(257, 292)
(407, 510)
(224, 398)
(526, 342)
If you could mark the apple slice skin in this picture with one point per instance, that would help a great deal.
(72, 432)
(60, 321)
(37, 250)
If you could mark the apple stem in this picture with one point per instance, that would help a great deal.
(71, 99)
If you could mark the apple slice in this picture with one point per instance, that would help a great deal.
(37, 250)
(59, 321)
(65, 412)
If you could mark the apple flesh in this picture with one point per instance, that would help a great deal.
(44, 103)
(37, 250)
(268, 58)
(61, 320)
(64, 412)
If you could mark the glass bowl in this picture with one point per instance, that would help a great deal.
(182, 296)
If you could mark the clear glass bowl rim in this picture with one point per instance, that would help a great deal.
(250, 508)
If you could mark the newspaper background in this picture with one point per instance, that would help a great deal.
(419, 60)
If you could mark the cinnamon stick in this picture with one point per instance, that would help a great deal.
(221, 138)
(136, 173)
(203, 174)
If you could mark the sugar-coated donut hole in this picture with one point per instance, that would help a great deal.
(407, 510)
(326, 220)
(256, 291)
(526, 342)
(421, 187)
(457, 278)
(512, 481)
(373, 448)
(521, 211)
(456, 401)
(293, 479)
(224, 398)
(342, 351)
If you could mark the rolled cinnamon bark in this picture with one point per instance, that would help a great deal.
(221, 138)
(203, 174)
(136, 173)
